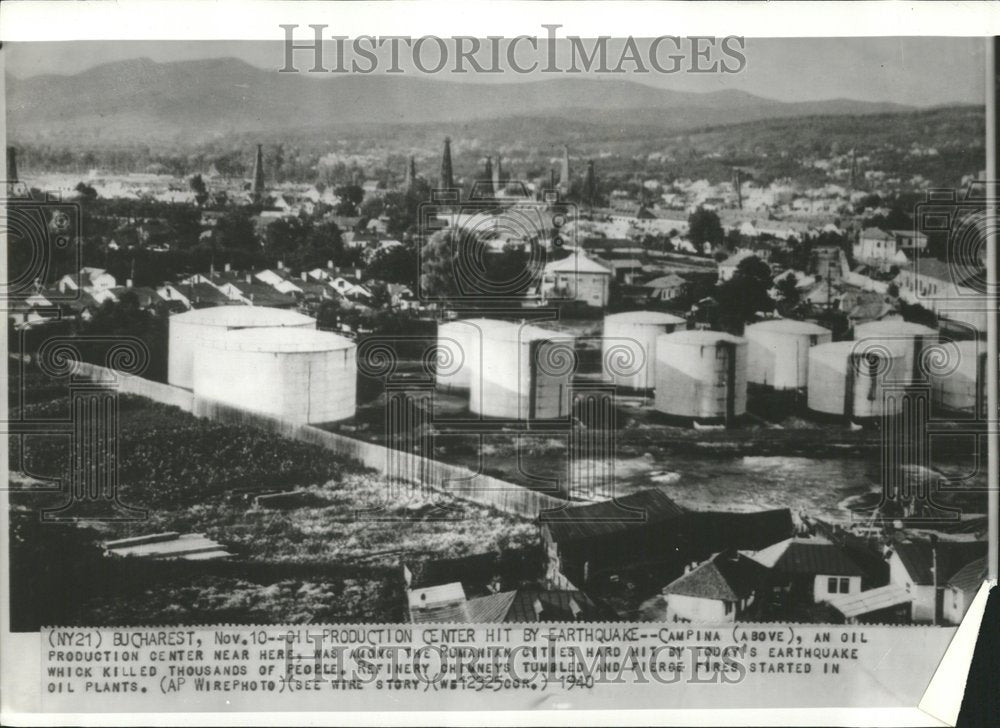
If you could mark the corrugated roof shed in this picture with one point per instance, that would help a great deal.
(611, 517)
(873, 600)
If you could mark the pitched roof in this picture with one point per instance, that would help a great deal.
(609, 517)
(557, 605)
(576, 264)
(464, 569)
(808, 556)
(970, 577)
(917, 558)
(874, 233)
(728, 576)
(873, 600)
(671, 280)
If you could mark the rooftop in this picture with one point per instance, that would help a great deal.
(727, 576)
(612, 517)
(917, 558)
(808, 556)
(970, 577)
(701, 337)
(789, 326)
(873, 600)
(655, 318)
(282, 340)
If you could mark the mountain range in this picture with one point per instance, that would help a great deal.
(193, 101)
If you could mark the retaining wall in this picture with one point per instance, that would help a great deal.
(454, 480)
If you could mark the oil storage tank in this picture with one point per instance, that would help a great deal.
(849, 378)
(778, 352)
(299, 374)
(455, 342)
(908, 338)
(521, 372)
(192, 329)
(628, 346)
(701, 375)
(958, 376)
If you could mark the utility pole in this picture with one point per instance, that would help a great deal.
(934, 572)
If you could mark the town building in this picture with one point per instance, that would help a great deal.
(923, 569)
(576, 278)
(717, 591)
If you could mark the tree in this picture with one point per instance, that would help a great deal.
(704, 227)
(746, 293)
(789, 293)
(397, 264)
(199, 189)
(235, 230)
(86, 191)
(350, 199)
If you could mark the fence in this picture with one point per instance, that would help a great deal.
(454, 480)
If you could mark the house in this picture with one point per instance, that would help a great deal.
(912, 566)
(962, 588)
(577, 278)
(719, 590)
(883, 248)
(889, 604)
(624, 270)
(279, 278)
(88, 279)
(810, 570)
(402, 297)
(255, 293)
(727, 268)
(203, 295)
(952, 292)
(172, 294)
(665, 288)
(350, 287)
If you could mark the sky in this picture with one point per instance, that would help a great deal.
(921, 72)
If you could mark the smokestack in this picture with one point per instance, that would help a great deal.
(496, 175)
(738, 184)
(447, 177)
(257, 189)
(591, 183)
(564, 170)
(11, 164)
(489, 176)
(411, 174)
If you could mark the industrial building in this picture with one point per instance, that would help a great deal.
(849, 379)
(778, 352)
(521, 372)
(455, 342)
(192, 329)
(701, 375)
(960, 386)
(909, 339)
(298, 374)
(628, 347)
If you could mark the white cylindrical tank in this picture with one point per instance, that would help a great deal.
(907, 338)
(191, 329)
(628, 347)
(701, 375)
(958, 375)
(778, 352)
(521, 372)
(849, 378)
(298, 374)
(456, 341)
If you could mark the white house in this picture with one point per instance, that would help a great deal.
(885, 248)
(938, 287)
(719, 590)
(577, 278)
(665, 288)
(280, 279)
(727, 268)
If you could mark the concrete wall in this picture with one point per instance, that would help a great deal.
(454, 480)
(821, 590)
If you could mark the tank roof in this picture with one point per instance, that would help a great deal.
(789, 326)
(498, 330)
(243, 317)
(892, 327)
(655, 318)
(283, 340)
(701, 337)
(840, 350)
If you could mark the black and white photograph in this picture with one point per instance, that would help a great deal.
(382, 339)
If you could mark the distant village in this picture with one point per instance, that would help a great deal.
(726, 291)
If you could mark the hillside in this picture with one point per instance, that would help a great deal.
(194, 101)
